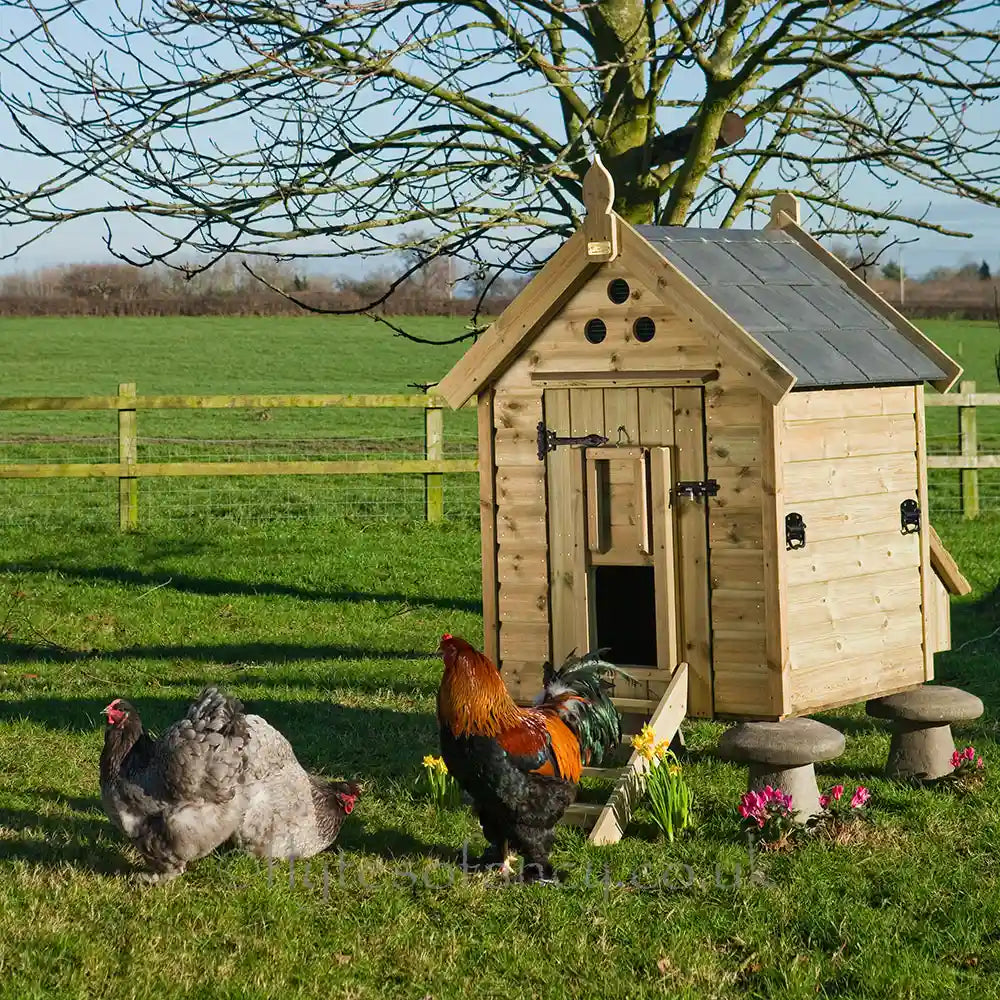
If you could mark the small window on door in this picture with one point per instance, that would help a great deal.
(624, 601)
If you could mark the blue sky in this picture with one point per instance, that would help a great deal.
(83, 240)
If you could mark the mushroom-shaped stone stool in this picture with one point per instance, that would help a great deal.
(782, 754)
(922, 743)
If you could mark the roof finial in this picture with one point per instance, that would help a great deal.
(784, 201)
(600, 224)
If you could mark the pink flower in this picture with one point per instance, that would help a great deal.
(969, 753)
(837, 791)
(956, 759)
(979, 762)
(824, 801)
(860, 797)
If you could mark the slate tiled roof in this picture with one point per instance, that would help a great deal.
(799, 311)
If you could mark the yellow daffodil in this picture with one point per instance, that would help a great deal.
(645, 742)
(442, 786)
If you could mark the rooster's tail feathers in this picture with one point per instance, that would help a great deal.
(580, 694)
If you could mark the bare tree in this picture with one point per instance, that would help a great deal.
(256, 125)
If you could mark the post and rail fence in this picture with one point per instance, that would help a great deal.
(968, 462)
(129, 470)
(433, 466)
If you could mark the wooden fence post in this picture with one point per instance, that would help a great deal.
(128, 454)
(969, 446)
(434, 451)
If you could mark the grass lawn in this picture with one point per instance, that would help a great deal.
(327, 629)
(326, 626)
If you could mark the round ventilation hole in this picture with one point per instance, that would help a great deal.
(595, 331)
(618, 291)
(644, 329)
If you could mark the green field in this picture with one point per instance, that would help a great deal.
(178, 355)
(326, 624)
(171, 355)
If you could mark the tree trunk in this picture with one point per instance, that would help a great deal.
(626, 116)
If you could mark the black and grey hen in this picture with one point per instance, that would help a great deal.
(178, 797)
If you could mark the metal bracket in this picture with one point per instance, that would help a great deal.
(549, 441)
(695, 489)
(909, 517)
(795, 531)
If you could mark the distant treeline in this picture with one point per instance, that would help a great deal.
(227, 289)
(943, 298)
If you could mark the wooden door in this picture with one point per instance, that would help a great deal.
(616, 527)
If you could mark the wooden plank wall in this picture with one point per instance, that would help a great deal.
(744, 686)
(854, 592)
(488, 525)
(730, 448)
(522, 542)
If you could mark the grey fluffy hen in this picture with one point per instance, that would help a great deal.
(215, 775)
(178, 797)
(289, 812)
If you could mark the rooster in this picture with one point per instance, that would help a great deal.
(178, 797)
(522, 766)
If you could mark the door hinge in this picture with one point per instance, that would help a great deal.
(549, 441)
(694, 489)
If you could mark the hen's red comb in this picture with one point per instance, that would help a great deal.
(447, 635)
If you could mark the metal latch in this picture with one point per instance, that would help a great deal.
(909, 517)
(795, 531)
(549, 441)
(693, 489)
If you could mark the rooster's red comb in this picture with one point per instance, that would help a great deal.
(447, 635)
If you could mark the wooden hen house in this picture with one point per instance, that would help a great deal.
(705, 449)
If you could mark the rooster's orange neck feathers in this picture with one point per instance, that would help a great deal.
(473, 699)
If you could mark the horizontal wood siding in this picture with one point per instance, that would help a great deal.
(522, 543)
(726, 445)
(744, 684)
(855, 618)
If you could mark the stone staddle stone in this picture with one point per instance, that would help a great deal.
(782, 754)
(922, 744)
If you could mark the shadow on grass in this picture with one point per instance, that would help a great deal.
(390, 844)
(338, 740)
(831, 769)
(971, 662)
(12, 651)
(217, 586)
(52, 841)
(41, 838)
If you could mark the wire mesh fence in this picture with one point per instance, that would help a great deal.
(223, 436)
(390, 434)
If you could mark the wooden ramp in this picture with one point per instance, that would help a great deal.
(607, 822)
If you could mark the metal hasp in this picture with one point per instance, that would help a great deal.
(795, 531)
(695, 489)
(909, 517)
(549, 441)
